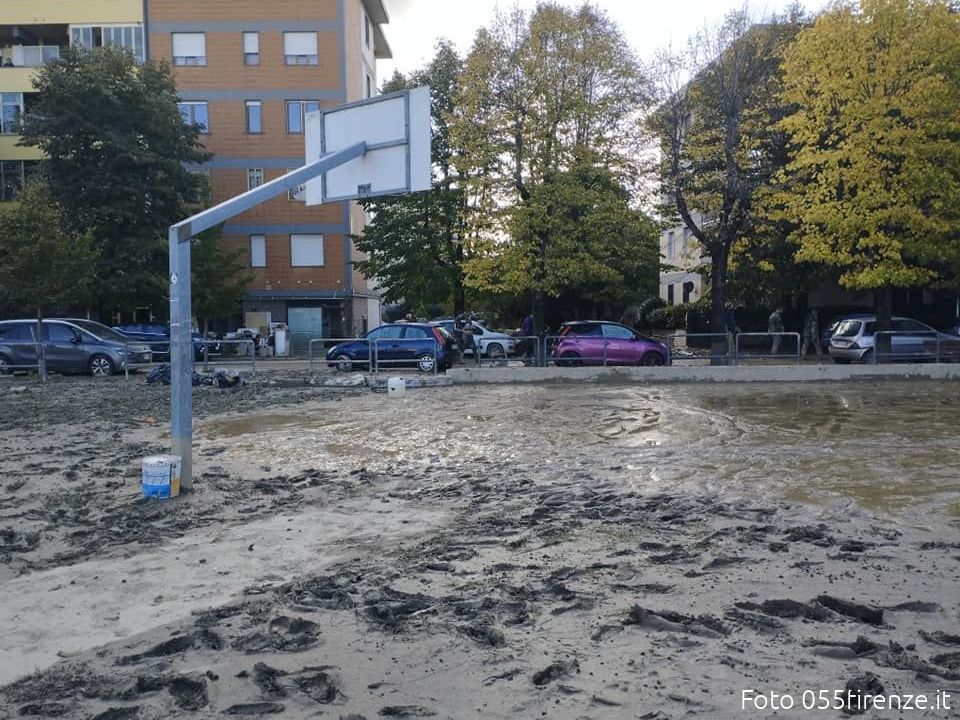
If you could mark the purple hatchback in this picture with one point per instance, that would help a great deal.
(596, 342)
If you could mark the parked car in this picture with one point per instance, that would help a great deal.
(828, 329)
(70, 346)
(911, 340)
(157, 336)
(492, 344)
(417, 345)
(596, 342)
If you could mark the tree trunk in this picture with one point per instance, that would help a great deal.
(539, 312)
(41, 348)
(883, 300)
(720, 351)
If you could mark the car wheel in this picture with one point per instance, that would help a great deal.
(652, 359)
(344, 363)
(841, 361)
(426, 363)
(100, 366)
(495, 351)
(867, 358)
(5, 368)
(570, 359)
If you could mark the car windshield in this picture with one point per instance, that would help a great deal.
(100, 331)
(848, 328)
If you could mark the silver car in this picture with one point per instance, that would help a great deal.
(70, 346)
(910, 341)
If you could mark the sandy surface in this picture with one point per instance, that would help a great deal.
(552, 551)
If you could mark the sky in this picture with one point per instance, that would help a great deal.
(416, 25)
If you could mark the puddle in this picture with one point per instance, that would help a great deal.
(886, 446)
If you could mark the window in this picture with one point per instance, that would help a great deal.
(670, 293)
(11, 108)
(195, 113)
(254, 178)
(89, 37)
(306, 250)
(300, 48)
(254, 117)
(16, 332)
(366, 30)
(671, 245)
(386, 332)
(617, 332)
(258, 251)
(297, 194)
(60, 333)
(296, 109)
(415, 333)
(251, 48)
(14, 174)
(369, 85)
(189, 49)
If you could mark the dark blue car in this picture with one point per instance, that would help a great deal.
(396, 345)
(158, 338)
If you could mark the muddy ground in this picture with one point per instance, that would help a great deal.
(500, 552)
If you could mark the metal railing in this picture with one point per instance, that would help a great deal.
(18, 360)
(326, 343)
(699, 348)
(232, 352)
(914, 346)
(767, 346)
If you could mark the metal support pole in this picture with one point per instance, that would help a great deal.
(181, 357)
(181, 315)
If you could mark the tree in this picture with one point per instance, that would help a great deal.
(873, 183)
(46, 266)
(219, 278)
(414, 243)
(545, 101)
(116, 148)
(718, 132)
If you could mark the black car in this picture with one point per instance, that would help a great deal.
(158, 338)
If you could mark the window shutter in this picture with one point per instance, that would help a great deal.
(306, 250)
(300, 43)
(251, 43)
(189, 45)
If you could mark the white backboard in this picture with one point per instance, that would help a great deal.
(396, 129)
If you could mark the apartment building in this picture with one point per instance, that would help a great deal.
(32, 33)
(247, 72)
(681, 256)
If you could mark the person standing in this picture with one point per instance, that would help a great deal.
(811, 334)
(529, 342)
(775, 328)
(469, 341)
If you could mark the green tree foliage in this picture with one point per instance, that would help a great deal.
(219, 278)
(546, 124)
(873, 183)
(717, 125)
(116, 146)
(414, 243)
(46, 266)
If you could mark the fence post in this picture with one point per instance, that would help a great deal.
(126, 361)
(253, 357)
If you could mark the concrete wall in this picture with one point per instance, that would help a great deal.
(76, 12)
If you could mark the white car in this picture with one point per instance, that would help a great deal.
(492, 344)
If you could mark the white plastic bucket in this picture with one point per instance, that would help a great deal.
(396, 386)
(160, 476)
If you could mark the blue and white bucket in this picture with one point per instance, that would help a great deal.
(160, 476)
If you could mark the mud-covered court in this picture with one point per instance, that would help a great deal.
(556, 550)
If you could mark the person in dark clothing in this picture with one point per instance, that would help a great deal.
(469, 343)
(526, 332)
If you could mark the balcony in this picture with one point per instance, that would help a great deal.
(32, 56)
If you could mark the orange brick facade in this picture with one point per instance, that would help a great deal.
(346, 57)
